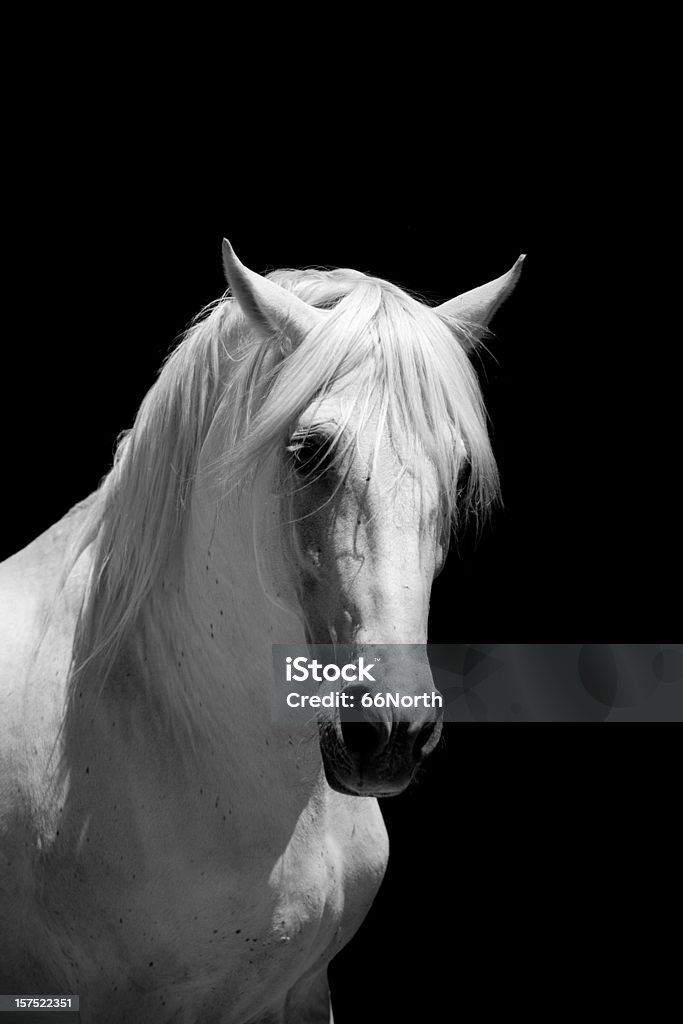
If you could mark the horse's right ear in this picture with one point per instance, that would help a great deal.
(475, 309)
(268, 307)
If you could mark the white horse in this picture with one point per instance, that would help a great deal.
(169, 852)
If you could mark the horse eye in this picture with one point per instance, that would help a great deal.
(311, 454)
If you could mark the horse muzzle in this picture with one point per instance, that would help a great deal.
(372, 751)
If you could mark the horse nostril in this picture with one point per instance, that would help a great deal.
(367, 739)
(364, 730)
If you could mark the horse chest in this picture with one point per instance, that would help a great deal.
(290, 909)
(228, 934)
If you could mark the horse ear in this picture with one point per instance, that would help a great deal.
(267, 306)
(475, 309)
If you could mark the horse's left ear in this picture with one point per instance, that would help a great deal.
(268, 307)
(474, 310)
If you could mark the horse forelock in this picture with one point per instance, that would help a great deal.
(396, 360)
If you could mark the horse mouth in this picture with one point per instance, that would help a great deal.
(346, 775)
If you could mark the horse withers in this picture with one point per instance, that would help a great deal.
(171, 851)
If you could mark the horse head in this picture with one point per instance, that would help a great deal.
(384, 442)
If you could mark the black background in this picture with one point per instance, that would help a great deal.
(514, 877)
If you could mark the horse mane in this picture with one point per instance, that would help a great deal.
(224, 384)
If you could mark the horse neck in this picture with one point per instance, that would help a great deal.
(212, 636)
(187, 703)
